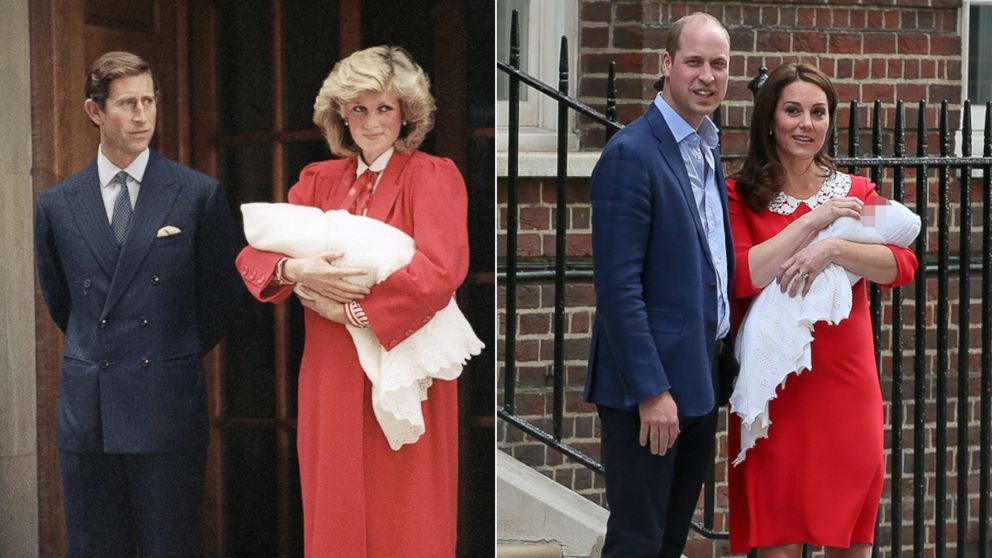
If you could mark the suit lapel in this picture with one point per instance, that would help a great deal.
(91, 218)
(388, 187)
(672, 155)
(155, 200)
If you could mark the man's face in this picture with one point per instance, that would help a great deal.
(127, 121)
(696, 79)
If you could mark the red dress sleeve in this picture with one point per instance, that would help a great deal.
(740, 230)
(258, 267)
(905, 258)
(410, 297)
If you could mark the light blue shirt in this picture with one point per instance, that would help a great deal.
(697, 148)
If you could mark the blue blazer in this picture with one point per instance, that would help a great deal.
(137, 320)
(656, 300)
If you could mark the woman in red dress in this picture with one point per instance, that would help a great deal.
(361, 498)
(817, 478)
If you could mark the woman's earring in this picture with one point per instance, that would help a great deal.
(345, 121)
(770, 133)
(404, 122)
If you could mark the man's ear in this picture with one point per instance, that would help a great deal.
(666, 64)
(93, 111)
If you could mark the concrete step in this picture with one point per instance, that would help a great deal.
(534, 510)
(518, 550)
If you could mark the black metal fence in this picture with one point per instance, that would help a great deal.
(950, 170)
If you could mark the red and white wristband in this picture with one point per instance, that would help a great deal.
(355, 315)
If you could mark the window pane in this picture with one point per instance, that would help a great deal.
(310, 51)
(980, 54)
(250, 493)
(245, 66)
(250, 364)
(504, 9)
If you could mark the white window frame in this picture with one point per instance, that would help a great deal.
(547, 20)
(977, 109)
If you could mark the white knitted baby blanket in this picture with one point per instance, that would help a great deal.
(775, 337)
(401, 376)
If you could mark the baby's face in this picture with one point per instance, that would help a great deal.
(874, 212)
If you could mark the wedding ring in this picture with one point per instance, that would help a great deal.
(804, 276)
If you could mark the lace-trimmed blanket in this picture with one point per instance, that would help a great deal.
(776, 335)
(400, 377)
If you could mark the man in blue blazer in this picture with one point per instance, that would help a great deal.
(662, 261)
(136, 263)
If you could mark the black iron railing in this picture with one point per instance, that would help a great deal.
(941, 265)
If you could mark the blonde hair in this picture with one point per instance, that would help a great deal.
(378, 69)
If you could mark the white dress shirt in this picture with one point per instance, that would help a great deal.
(108, 179)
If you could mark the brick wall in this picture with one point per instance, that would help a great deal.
(873, 49)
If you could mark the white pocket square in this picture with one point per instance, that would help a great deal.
(167, 230)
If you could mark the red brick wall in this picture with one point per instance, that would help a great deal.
(873, 49)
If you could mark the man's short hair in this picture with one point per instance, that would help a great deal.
(675, 32)
(114, 65)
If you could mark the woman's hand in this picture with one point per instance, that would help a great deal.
(319, 274)
(327, 308)
(802, 268)
(830, 210)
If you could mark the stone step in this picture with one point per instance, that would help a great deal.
(534, 510)
(521, 550)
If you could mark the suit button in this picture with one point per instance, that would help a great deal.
(712, 286)
(87, 283)
(142, 322)
(103, 323)
(155, 280)
(713, 327)
(145, 362)
(104, 365)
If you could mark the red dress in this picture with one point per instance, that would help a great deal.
(817, 478)
(360, 498)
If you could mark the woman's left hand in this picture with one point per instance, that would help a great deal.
(802, 268)
(327, 308)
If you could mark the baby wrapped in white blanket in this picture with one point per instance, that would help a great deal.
(400, 377)
(775, 337)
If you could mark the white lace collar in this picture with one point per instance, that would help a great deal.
(836, 185)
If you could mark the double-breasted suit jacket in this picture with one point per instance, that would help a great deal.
(139, 318)
(656, 299)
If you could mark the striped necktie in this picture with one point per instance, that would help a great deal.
(363, 188)
(121, 219)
